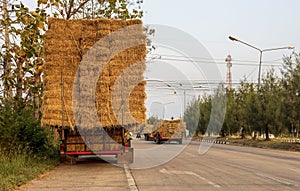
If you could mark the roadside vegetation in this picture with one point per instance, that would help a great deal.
(273, 108)
(20, 167)
(287, 144)
(26, 149)
(261, 143)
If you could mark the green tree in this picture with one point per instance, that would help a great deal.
(231, 123)
(205, 112)
(191, 116)
(249, 107)
(218, 109)
(25, 31)
(271, 104)
(291, 92)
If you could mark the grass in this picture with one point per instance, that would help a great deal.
(19, 168)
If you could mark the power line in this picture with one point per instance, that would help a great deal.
(214, 61)
(211, 59)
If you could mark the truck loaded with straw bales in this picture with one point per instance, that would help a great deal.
(148, 132)
(169, 130)
(94, 89)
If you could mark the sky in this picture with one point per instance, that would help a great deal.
(262, 23)
(208, 24)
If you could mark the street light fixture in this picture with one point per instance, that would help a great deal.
(261, 52)
(164, 104)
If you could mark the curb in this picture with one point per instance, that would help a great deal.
(291, 141)
(214, 141)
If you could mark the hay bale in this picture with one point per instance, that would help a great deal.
(66, 43)
(171, 128)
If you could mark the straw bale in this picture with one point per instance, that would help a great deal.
(67, 43)
(53, 59)
(170, 127)
(96, 147)
(118, 24)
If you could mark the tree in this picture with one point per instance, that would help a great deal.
(270, 102)
(205, 111)
(22, 79)
(291, 94)
(152, 120)
(231, 123)
(90, 9)
(191, 116)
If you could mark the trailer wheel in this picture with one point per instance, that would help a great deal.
(158, 140)
(180, 141)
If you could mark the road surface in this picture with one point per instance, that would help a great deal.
(223, 167)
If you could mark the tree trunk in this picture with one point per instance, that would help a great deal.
(7, 64)
(36, 97)
(267, 133)
(19, 85)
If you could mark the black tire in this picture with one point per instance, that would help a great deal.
(157, 140)
(180, 141)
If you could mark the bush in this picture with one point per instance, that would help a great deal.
(26, 149)
(19, 130)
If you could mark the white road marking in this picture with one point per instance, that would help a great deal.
(285, 182)
(130, 179)
(164, 171)
(295, 170)
(189, 154)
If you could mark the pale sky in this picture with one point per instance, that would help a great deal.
(262, 23)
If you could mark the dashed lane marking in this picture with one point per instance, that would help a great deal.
(164, 171)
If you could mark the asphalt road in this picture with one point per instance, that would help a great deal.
(223, 167)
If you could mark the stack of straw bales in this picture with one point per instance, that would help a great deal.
(170, 128)
(95, 140)
(66, 44)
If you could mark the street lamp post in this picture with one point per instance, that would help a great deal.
(261, 52)
(164, 104)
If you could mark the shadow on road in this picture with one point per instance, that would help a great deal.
(88, 159)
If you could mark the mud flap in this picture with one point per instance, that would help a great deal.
(126, 157)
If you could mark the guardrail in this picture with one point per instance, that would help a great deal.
(291, 141)
(214, 141)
